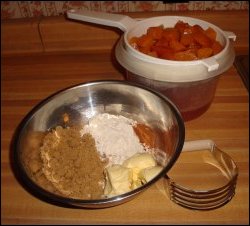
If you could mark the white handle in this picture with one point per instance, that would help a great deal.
(197, 145)
(230, 35)
(211, 64)
(114, 20)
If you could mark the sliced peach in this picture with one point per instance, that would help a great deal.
(162, 42)
(202, 39)
(145, 41)
(197, 29)
(216, 47)
(204, 53)
(185, 56)
(210, 32)
(186, 39)
(176, 46)
(171, 34)
(181, 26)
(155, 32)
(168, 54)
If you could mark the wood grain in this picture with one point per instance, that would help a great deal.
(26, 80)
(58, 34)
(20, 36)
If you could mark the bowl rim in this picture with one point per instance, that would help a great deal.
(94, 202)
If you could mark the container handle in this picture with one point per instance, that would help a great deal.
(114, 20)
(230, 35)
(211, 63)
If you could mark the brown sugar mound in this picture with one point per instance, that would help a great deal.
(72, 164)
(31, 159)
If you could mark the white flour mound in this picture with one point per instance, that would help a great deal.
(114, 136)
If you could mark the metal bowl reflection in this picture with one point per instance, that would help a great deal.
(82, 102)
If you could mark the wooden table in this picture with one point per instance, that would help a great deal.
(26, 80)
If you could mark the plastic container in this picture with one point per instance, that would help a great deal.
(190, 85)
(192, 98)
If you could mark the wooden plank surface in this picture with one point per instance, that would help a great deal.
(26, 80)
(58, 34)
(20, 36)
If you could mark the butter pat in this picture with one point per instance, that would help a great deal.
(133, 173)
(119, 180)
(150, 172)
(137, 163)
(140, 161)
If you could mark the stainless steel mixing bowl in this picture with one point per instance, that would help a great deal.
(80, 103)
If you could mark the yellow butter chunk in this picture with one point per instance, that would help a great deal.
(119, 180)
(133, 173)
(140, 161)
(149, 173)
